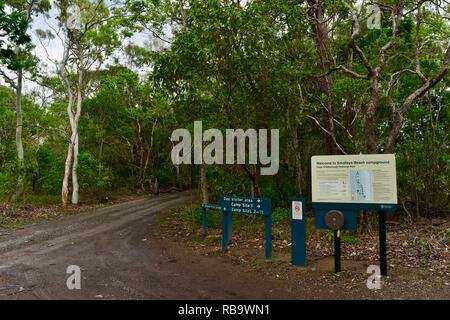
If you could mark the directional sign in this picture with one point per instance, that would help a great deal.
(255, 206)
(211, 206)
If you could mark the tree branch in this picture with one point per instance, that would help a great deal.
(417, 45)
(327, 132)
(8, 80)
(395, 16)
(394, 78)
(400, 118)
(353, 45)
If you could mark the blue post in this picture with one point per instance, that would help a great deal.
(268, 225)
(230, 224)
(298, 233)
(226, 229)
(203, 221)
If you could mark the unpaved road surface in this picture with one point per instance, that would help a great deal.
(119, 259)
(124, 253)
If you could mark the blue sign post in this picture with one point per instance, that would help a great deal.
(298, 231)
(255, 206)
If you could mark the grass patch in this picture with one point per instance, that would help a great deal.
(36, 208)
(15, 222)
(346, 237)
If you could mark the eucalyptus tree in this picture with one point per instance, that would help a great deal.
(16, 58)
(88, 36)
(409, 49)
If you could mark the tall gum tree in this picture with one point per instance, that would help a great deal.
(16, 59)
(87, 32)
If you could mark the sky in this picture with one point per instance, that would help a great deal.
(51, 51)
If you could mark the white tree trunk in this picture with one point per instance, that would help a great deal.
(19, 144)
(67, 166)
(75, 186)
(71, 162)
(19, 126)
(65, 185)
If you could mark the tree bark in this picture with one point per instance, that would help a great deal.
(68, 163)
(322, 44)
(297, 164)
(369, 117)
(19, 144)
(75, 185)
(140, 139)
(67, 166)
(253, 175)
(204, 184)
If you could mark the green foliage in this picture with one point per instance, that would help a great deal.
(346, 237)
(424, 246)
(15, 42)
(8, 179)
(281, 214)
(15, 27)
(93, 175)
(48, 172)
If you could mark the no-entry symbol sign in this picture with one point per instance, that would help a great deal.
(298, 232)
(297, 212)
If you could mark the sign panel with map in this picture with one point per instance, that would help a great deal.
(369, 179)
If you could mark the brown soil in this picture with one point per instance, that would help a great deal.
(124, 253)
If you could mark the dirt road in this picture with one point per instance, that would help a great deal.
(118, 258)
(123, 254)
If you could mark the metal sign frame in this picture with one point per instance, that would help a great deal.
(256, 206)
(205, 206)
(229, 205)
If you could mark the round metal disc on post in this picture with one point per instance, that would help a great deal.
(334, 219)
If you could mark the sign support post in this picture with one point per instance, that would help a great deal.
(268, 226)
(226, 228)
(229, 216)
(203, 221)
(204, 207)
(298, 232)
(382, 233)
(337, 251)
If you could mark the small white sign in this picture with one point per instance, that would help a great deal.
(297, 210)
